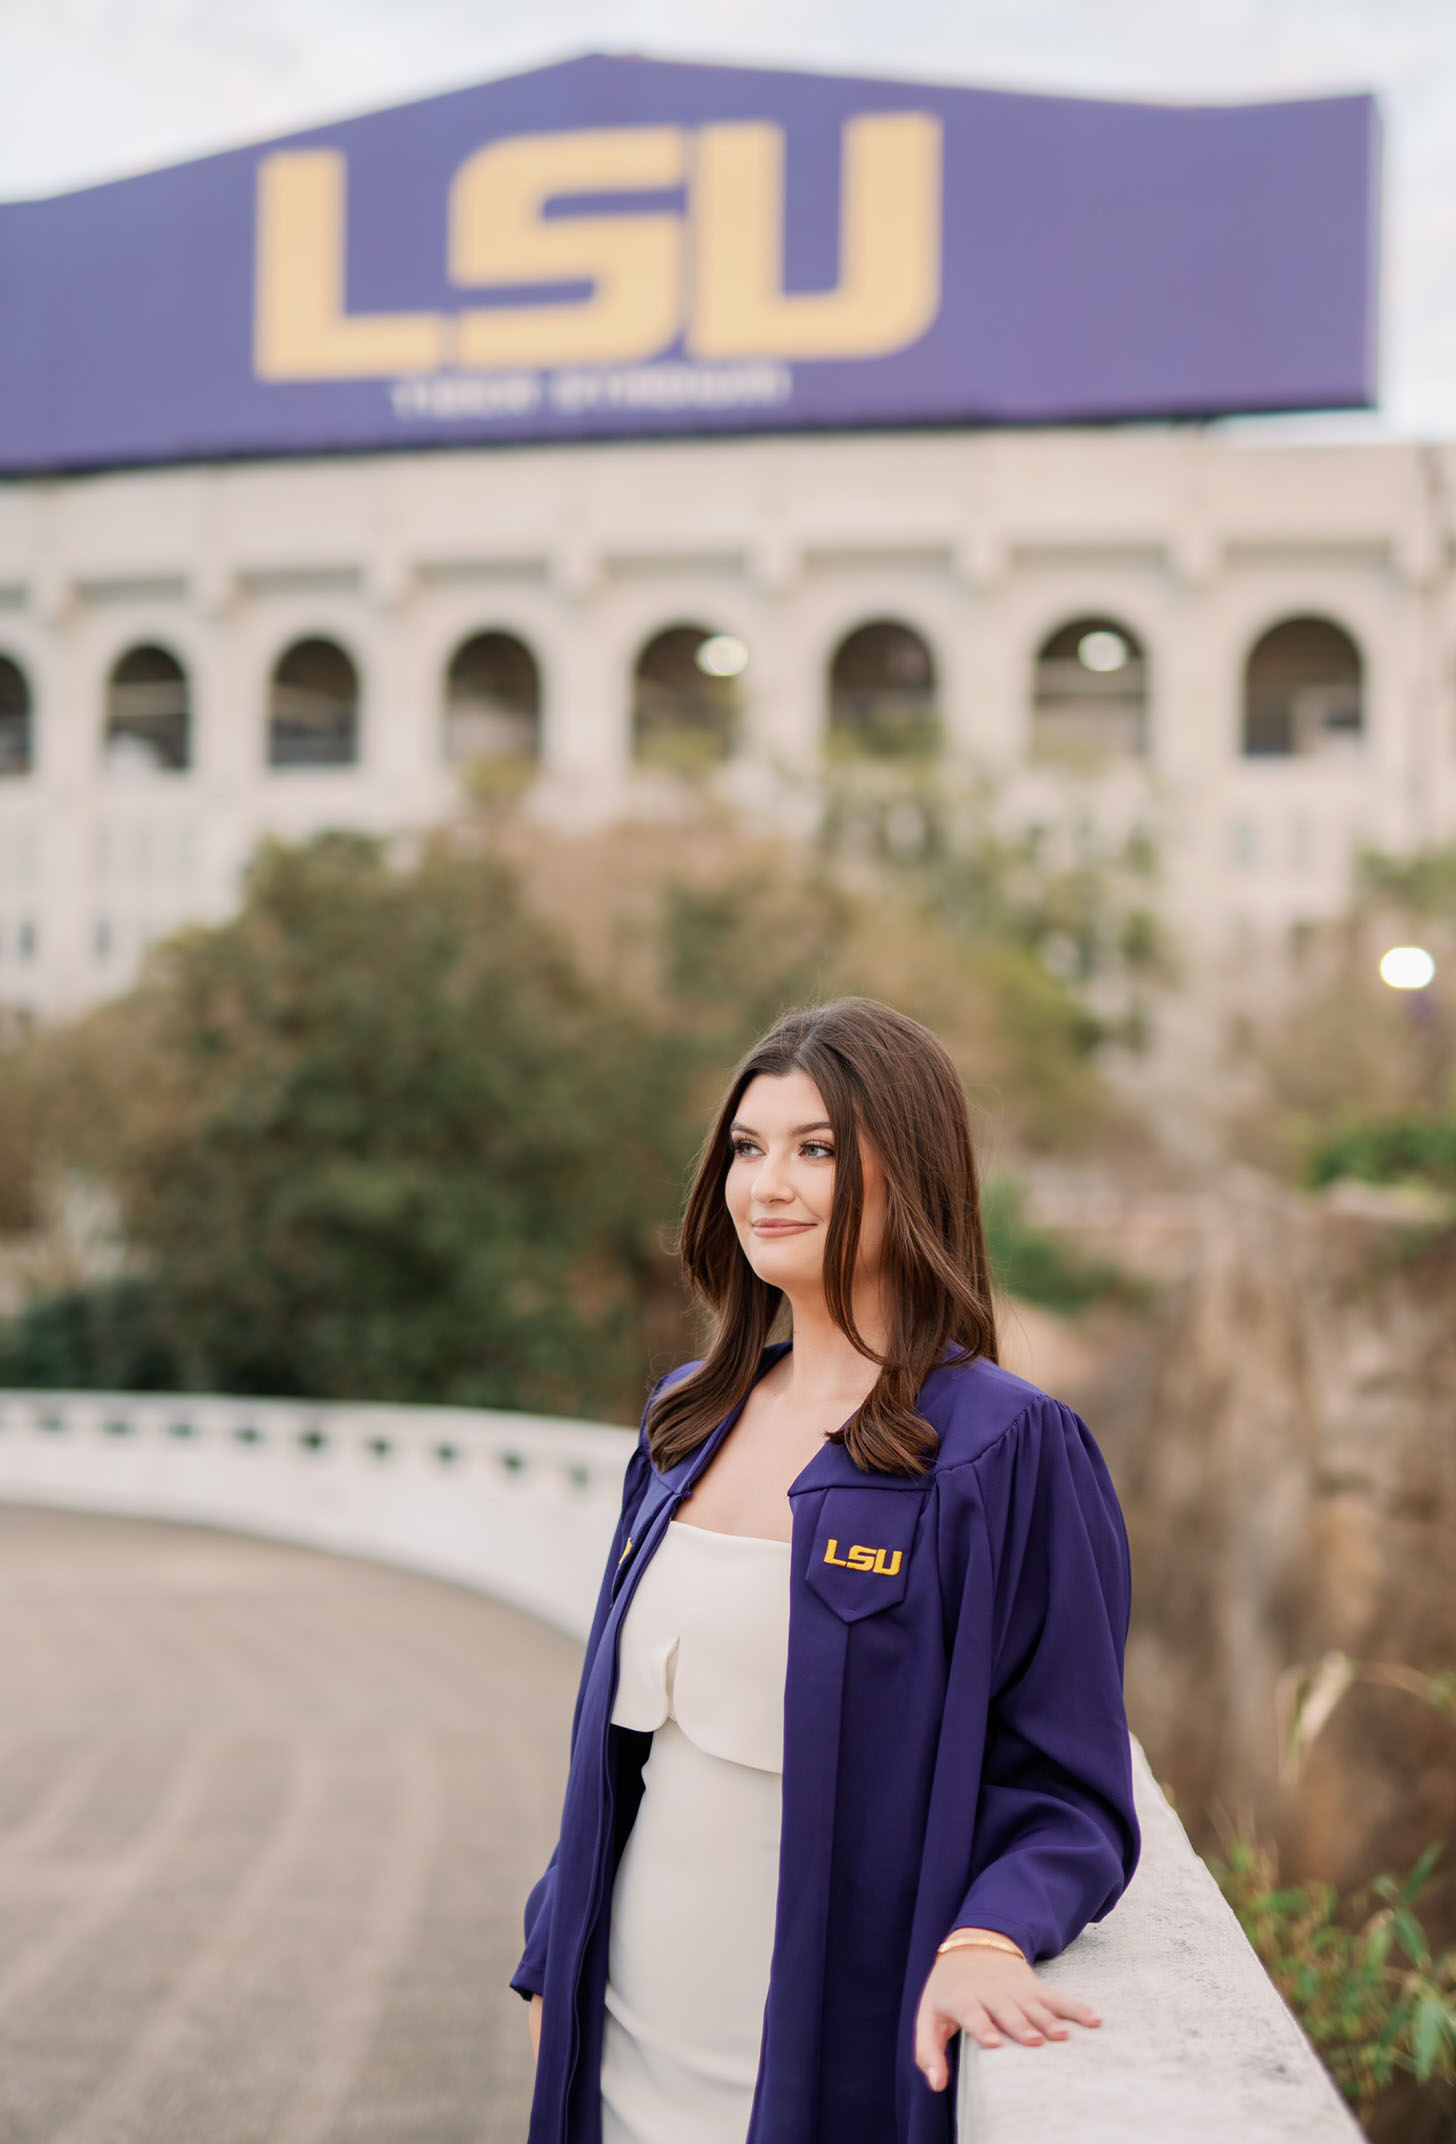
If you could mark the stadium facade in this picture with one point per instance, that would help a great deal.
(721, 531)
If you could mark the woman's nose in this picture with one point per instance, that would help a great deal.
(768, 1182)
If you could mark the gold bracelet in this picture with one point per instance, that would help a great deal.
(976, 1939)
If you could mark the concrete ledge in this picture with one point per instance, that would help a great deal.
(1195, 2043)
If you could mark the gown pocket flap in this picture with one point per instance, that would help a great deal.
(860, 1561)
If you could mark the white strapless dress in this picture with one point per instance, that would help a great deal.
(703, 1650)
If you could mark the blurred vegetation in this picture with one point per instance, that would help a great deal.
(102, 1335)
(1360, 1977)
(1040, 1267)
(1420, 1150)
(416, 1125)
(1421, 887)
(1309, 1695)
(1356, 1079)
(711, 936)
(1081, 905)
(375, 1137)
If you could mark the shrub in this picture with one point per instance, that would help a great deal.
(1362, 1982)
(1397, 1150)
(108, 1336)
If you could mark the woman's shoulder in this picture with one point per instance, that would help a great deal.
(973, 1405)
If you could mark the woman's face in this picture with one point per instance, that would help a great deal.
(780, 1184)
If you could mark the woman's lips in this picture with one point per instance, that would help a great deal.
(781, 1228)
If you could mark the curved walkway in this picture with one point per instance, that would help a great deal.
(267, 1818)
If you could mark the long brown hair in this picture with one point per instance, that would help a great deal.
(887, 1078)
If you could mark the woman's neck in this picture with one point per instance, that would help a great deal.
(824, 1364)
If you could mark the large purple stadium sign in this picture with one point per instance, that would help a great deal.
(622, 247)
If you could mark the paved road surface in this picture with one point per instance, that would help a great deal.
(267, 1818)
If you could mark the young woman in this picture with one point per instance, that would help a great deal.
(849, 1753)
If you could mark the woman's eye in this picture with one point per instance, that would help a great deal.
(811, 1149)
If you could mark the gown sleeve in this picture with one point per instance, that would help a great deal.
(529, 1977)
(1056, 1834)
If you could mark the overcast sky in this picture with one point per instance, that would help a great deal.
(94, 89)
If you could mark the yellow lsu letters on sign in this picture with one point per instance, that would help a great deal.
(714, 275)
(863, 1559)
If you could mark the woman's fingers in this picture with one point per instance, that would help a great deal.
(1069, 2006)
(1013, 2020)
(932, 2030)
(1032, 2018)
(979, 2024)
(1045, 2019)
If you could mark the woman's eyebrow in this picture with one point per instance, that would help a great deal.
(821, 1124)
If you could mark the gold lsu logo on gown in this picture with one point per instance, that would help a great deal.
(858, 1558)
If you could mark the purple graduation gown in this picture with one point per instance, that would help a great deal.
(955, 1754)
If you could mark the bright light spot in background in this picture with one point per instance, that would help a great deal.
(1102, 651)
(722, 656)
(1407, 967)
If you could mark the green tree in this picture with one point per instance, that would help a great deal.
(389, 1145)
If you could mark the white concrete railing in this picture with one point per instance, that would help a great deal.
(1195, 2043)
(518, 1506)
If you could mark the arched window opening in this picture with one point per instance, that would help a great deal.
(17, 744)
(1090, 694)
(1303, 693)
(883, 694)
(492, 700)
(687, 698)
(313, 707)
(148, 715)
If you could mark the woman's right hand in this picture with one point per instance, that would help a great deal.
(991, 1996)
(536, 2027)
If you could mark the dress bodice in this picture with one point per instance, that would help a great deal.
(705, 1643)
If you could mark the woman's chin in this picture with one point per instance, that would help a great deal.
(782, 1265)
